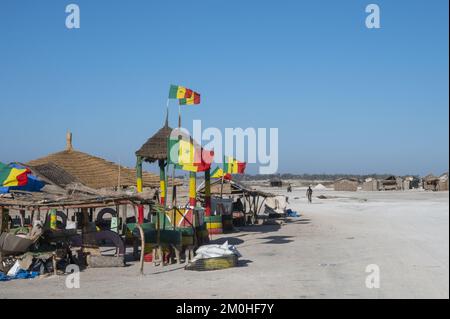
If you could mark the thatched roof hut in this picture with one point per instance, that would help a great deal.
(155, 149)
(89, 170)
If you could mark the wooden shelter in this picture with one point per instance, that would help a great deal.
(253, 199)
(155, 150)
(90, 170)
(346, 184)
(80, 200)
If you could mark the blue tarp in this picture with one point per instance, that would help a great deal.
(21, 274)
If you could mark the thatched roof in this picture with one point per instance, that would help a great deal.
(90, 170)
(231, 187)
(52, 173)
(156, 146)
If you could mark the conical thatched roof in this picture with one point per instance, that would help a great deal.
(156, 146)
(93, 171)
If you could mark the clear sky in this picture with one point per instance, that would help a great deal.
(346, 99)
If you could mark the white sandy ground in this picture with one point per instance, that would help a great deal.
(323, 254)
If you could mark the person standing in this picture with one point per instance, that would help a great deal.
(309, 192)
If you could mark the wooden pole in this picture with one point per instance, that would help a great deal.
(221, 186)
(139, 187)
(192, 189)
(1, 219)
(208, 193)
(162, 182)
(141, 259)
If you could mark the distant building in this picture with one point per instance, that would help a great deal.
(346, 184)
(370, 184)
(443, 182)
(431, 182)
(391, 183)
(411, 182)
(276, 182)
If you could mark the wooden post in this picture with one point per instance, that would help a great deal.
(162, 182)
(141, 259)
(139, 187)
(192, 189)
(53, 219)
(208, 193)
(1, 219)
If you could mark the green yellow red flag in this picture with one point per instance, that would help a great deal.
(179, 92)
(233, 166)
(187, 156)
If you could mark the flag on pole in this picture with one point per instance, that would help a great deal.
(219, 173)
(187, 156)
(194, 99)
(179, 92)
(233, 166)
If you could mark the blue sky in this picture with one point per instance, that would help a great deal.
(346, 99)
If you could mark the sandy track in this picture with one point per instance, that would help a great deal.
(323, 254)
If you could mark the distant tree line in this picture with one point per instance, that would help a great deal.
(310, 177)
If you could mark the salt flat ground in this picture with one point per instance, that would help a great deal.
(322, 254)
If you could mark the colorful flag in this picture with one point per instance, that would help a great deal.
(11, 176)
(179, 92)
(232, 166)
(219, 173)
(187, 156)
(194, 99)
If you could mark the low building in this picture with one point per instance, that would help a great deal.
(431, 182)
(276, 182)
(443, 182)
(411, 182)
(346, 185)
(370, 184)
(391, 183)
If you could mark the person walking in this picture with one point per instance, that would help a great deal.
(309, 192)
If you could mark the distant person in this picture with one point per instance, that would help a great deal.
(238, 206)
(309, 192)
(289, 188)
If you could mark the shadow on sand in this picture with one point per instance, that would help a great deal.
(277, 239)
(231, 240)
